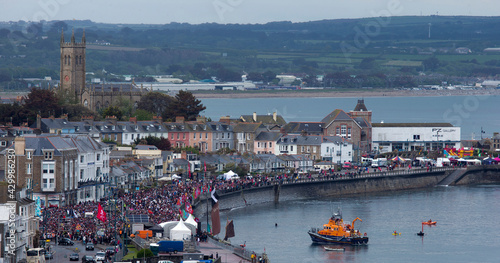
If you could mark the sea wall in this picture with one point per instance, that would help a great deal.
(325, 188)
(482, 174)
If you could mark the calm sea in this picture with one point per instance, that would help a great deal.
(466, 231)
(469, 112)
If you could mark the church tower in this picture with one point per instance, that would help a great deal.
(73, 66)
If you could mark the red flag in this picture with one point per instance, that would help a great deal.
(101, 215)
(151, 212)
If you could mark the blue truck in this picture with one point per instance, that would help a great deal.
(168, 246)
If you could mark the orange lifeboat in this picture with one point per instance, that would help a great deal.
(430, 223)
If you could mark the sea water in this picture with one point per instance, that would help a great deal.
(466, 231)
(468, 112)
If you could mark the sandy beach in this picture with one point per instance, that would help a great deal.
(347, 94)
(317, 93)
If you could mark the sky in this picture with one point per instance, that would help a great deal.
(233, 11)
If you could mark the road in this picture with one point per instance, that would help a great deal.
(61, 253)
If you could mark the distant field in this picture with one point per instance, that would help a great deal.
(113, 48)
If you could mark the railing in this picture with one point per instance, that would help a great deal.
(337, 177)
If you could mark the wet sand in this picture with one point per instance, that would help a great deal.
(347, 94)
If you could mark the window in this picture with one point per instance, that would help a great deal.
(178, 136)
(126, 136)
(116, 137)
(82, 172)
(48, 176)
(200, 135)
(291, 148)
(183, 136)
(337, 131)
(194, 135)
(82, 159)
(132, 136)
(349, 132)
(343, 130)
(48, 168)
(28, 168)
(48, 155)
(206, 135)
(28, 155)
(270, 144)
(98, 157)
(222, 135)
(416, 137)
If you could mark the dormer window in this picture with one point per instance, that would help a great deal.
(28, 155)
(136, 127)
(113, 127)
(48, 155)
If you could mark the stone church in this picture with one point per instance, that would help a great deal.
(92, 96)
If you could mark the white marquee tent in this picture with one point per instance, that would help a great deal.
(190, 220)
(180, 232)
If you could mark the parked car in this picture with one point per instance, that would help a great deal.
(66, 241)
(49, 255)
(88, 259)
(89, 246)
(74, 257)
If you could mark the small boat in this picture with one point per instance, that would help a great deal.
(420, 233)
(430, 223)
(396, 234)
(334, 249)
(338, 232)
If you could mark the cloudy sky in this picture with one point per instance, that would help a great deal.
(234, 11)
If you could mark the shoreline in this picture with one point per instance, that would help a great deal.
(348, 94)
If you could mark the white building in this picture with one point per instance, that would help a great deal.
(388, 137)
(92, 167)
(336, 150)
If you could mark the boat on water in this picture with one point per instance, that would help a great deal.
(338, 232)
(334, 249)
(430, 223)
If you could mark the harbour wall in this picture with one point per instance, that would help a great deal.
(371, 183)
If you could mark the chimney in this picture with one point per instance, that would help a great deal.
(157, 118)
(20, 145)
(89, 120)
(65, 116)
(179, 119)
(111, 119)
(275, 117)
(201, 119)
(225, 119)
(133, 120)
(255, 116)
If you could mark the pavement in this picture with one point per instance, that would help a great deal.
(226, 256)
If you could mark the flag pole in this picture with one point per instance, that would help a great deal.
(207, 210)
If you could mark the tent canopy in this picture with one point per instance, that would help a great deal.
(190, 220)
(398, 159)
(180, 231)
(230, 175)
